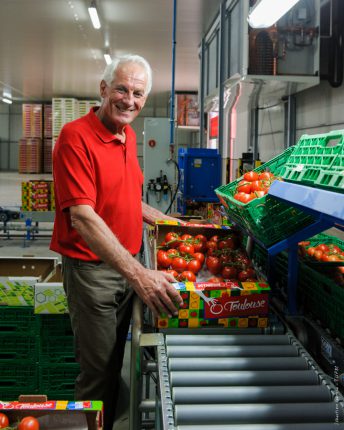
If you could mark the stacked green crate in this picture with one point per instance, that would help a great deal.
(57, 366)
(19, 352)
(317, 293)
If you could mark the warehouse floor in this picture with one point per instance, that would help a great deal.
(10, 196)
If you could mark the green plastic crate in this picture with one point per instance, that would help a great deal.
(55, 325)
(318, 160)
(18, 347)
(326, 239)
(57, 349)
(266, 218)
(63, 395)
(324, 299)
(12, 395)
(58, 378)
(21, 375)
(19, 319)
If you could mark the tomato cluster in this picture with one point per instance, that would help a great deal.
(254, 185)
(26, 423)
(185, 255)
(327, 253)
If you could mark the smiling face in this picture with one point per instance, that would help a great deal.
(124, 98)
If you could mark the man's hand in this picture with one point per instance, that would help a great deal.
(156, 290)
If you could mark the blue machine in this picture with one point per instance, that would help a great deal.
(200, 175)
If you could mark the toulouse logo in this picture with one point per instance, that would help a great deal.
(228, 306)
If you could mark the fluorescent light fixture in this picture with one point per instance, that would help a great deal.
(5, 100)
(108, 59)
(92, 10)
(266, 12)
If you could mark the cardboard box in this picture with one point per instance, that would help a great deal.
(18, 275)
(17, 291)
(56, 414)
(50, 298)
(226, 304)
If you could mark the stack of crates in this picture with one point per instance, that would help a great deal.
(19, 352)
(64, 110)
(47, 138)
(57, 366)
(86, 105)
(38, 196)
(30, 146)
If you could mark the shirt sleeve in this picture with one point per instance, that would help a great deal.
(73, 171)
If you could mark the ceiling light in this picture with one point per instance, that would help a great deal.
(266, 12)
(92, 10)
(5, 100)
(108, 59)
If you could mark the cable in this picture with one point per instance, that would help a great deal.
(177, 188)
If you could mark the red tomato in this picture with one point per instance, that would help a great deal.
(322, 247)
(172, 253)
(245, 198)
(4, 422)
(258, 186)
(163, 259)
(334, 249)
(244, 187)
(260, 194)
(266, 176)
(194, 266)
(179, 264)
(172, 239)
(311, 251)
(229, 272)
(28, 423)
(225, 258)
(229, 243)
(200, 245)
(317, 254)
(186, 237)
(211, 245)
(244, 275)
(200, 257)
(201, 238)
(187, 276)
(171, 272)
(213, 264)
(251, 176)
(239, 196)
(186, 248)
(214, 238)
(215, 279)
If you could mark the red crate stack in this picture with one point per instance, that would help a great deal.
(47, 155)
(48, 121)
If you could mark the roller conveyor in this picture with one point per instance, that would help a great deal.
(244, 382)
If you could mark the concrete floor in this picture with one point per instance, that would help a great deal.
(10, 196)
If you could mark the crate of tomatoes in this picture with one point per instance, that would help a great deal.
(215, 277)
(247, 202)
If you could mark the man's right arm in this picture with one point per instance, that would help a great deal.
(152, 286)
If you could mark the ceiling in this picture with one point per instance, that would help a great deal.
(48, 48)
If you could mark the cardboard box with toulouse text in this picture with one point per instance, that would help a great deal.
(56, 414)
(226, 304)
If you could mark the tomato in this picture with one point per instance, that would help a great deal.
(214, 238)
(244, 187)
(304, 243)
(251, 176)
(179, 264)
(266, 176)
(211, 245)
(186, 237)
(171, 272)
(229, 243)
(201, 237)
(215, 279)
(172, 239)
(186, 248)
(311, 251)
(28, 423)
(172, 253)
(322, 247)
(246, 274)
(200, 245)
(229, 272)
(225, 258)
(317, 254)
(163, 259)
(330, 257)
(258, 186)
(200, 257)
(244, 197)
(187, 276)
(194, 266)
(4, 422)
(334, 249)
(213, 264)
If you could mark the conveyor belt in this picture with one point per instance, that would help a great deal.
(245, 382)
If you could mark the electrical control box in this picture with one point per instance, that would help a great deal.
(200, 174)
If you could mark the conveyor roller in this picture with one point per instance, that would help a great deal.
(245, 382)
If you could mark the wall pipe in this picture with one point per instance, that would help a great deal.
(172, 100)
(221, 76)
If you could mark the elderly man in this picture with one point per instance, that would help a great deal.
(98, 230)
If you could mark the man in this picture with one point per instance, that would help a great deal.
(98, 230)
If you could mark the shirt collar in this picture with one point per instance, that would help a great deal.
(99, 128)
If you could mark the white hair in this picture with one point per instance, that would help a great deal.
(111, 69)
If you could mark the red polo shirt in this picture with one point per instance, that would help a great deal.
(92, 167)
